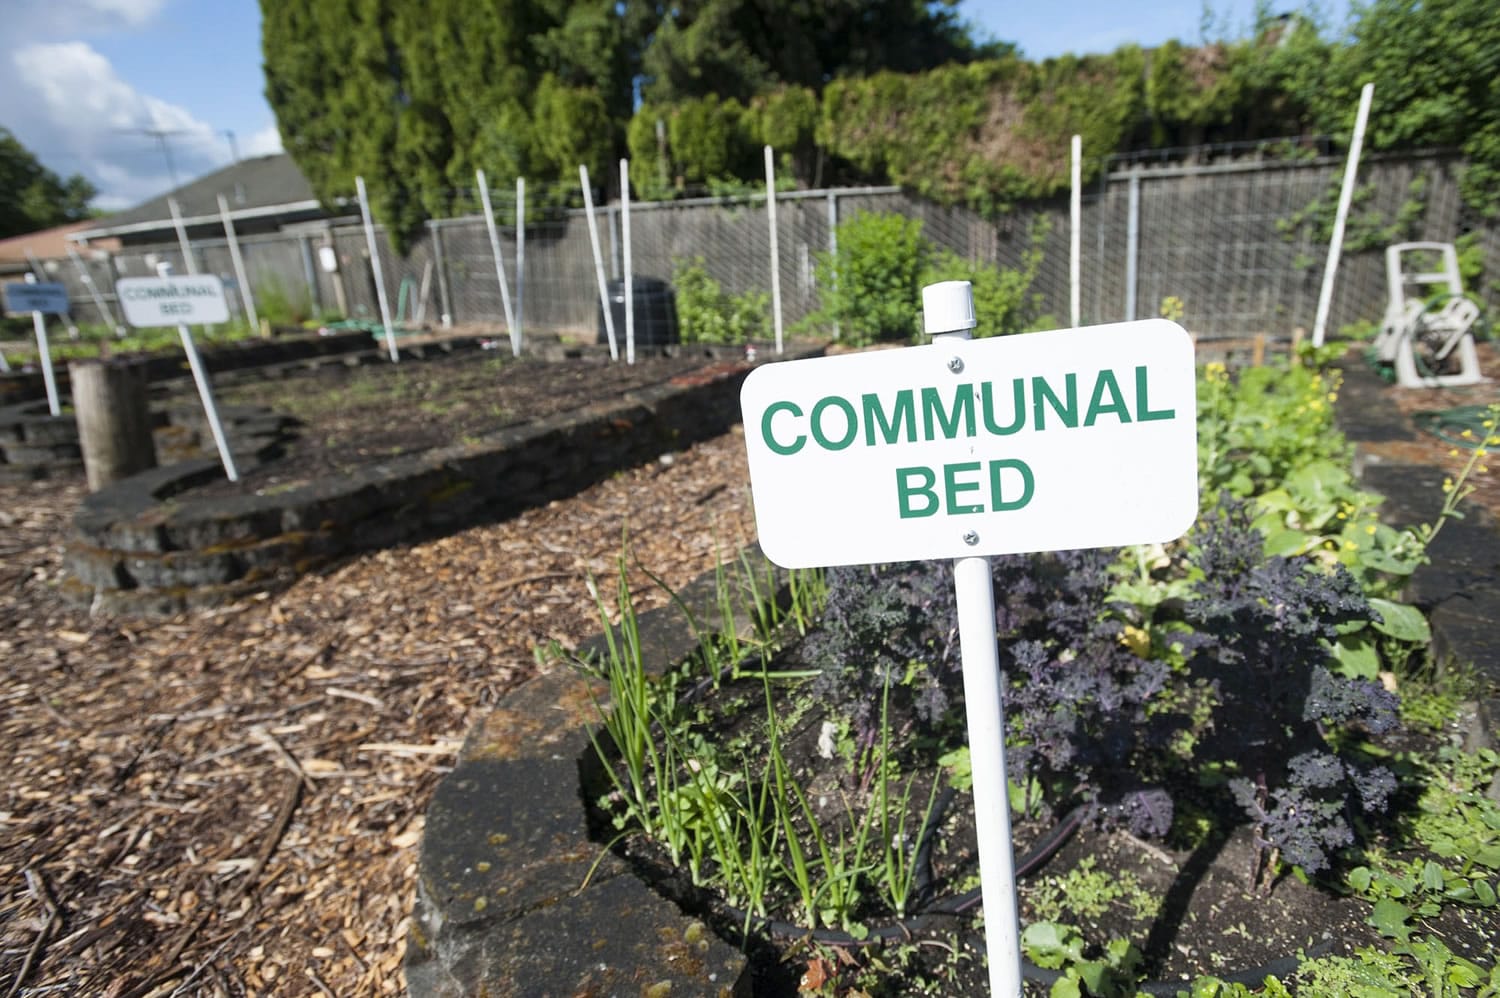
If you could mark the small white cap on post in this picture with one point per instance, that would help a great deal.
(948, 307)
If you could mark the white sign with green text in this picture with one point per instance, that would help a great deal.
(1077, 438)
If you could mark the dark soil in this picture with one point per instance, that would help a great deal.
(1213, 914)
(351, 415)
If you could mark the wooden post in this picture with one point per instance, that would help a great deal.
(114, 419)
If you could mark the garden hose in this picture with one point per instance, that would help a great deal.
(1462, 426)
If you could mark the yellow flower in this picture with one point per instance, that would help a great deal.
(1370, 529)
(1453, 452)
(1447, 485)
(1467, 434)
(1137, 640)
(1350, 546)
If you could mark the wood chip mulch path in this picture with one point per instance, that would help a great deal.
(231, 802)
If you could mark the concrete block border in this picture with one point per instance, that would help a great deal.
(502, 908)
(146, 546)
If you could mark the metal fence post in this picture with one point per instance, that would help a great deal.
(1132, 243)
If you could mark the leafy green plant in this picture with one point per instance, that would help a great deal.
(1061, 947)
(707, 314)
(870, 288)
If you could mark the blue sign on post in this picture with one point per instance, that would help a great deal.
(50, 297)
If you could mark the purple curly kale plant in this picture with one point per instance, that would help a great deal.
(1262, 631)
(1075, 697)
(879, 621)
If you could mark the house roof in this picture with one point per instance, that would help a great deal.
(44, 244)
(256, 187)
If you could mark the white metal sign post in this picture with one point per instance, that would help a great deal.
(489, 225)
(380, 299)
(177, 301)
(39, 298)
(588, 212)
(966, 449)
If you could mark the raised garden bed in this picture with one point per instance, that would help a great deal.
(1209, 899)
(386, 454)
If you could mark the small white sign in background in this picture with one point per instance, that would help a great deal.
(50, 297)
(1077, 438)
(195, 300)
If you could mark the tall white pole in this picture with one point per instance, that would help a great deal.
(246, 295)
(1075, 229)
(588, 211)
(948, 314)
(380, 298)
(1346, 196)
(106, 315)
(489, 224)
(182, 238)
(775, 249)
(629, 276)
(521, 257)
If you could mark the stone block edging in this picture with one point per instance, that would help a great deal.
(146, 546)
(506, 905)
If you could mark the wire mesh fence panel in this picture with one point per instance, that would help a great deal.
(1242, 245)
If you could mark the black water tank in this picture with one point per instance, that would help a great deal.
(655, 312)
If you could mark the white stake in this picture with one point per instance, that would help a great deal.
(1075, 227)
(39, 323)
(1346, 196)
(588, 211)
(205, 391)
(948, 314)
(521, 257)
(182, 238)
(105, 313)
(239, 266)
(775, 248)
(385, 307)
(629, 277)
(489, 224)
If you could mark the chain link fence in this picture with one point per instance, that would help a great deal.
(1241, 245)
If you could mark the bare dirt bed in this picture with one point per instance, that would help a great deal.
(231, 802)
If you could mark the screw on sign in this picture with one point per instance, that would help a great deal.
(967, 449)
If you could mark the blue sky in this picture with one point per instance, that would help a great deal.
(87, 80)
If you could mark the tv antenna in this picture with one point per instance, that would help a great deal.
(161, 135)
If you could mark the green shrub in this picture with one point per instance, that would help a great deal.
(1002, 302)
(872, 287)
(708, 314)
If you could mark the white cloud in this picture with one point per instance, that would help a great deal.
(31, 18)
(78, 109)
(263, 143)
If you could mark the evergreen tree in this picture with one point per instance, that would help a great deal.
(740, 48)
(415, 95)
